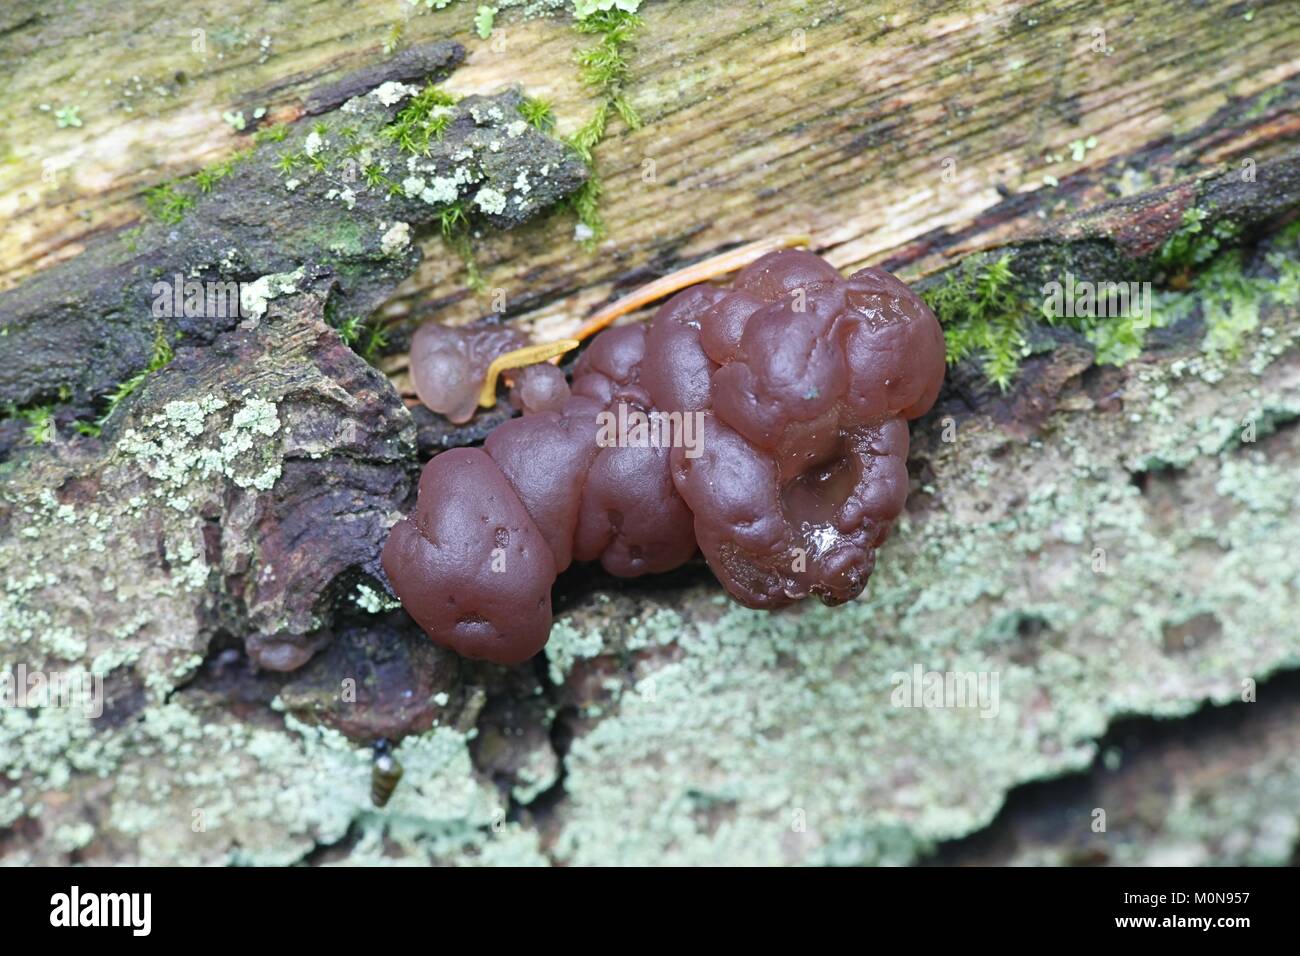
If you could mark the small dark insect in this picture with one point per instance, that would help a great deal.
(384, 774)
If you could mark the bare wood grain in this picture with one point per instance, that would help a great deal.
(833, 119)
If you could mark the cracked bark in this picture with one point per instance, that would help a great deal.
(834, 143)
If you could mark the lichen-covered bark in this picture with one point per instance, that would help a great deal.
(1205, 790)
(667, 725)
(1109, 541)
(352, 202)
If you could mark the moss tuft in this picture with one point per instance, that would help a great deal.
(603, 68)
(423, 118)
(166, 204)
(365, 337)
(162, 355)
(537, 113)
(983, 315)
(1192, 244)
(40, 424)
(271, 134)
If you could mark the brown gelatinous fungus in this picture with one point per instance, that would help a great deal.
(445, 360)
(539, 388)
(474, 569)
(765, 425)
(448, 365)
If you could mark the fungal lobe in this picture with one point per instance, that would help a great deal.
(448, 365)
(798, 384)
(470, 564)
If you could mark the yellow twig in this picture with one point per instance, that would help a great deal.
(519, 358)
(702, 271)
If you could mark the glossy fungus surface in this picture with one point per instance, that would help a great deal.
(765, 425)
(448, 365)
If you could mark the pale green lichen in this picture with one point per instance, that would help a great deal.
(568, 645)
(770, 738)
(59, 550)
(163, 467)
(373, 602)
(168, 452)
(200, 788)
(490, 200)
(254, 296)
(739, 736)
(314, 143)
(396, 239)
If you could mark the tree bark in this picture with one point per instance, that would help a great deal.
(1107, 542)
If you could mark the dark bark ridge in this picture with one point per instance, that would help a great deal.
(341, 193)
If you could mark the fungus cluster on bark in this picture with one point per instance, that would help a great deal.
(769, 431)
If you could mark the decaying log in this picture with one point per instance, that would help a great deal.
(1110, 542)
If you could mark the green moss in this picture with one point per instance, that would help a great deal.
(288, 162)
(1230, 300)
(603, 68)
(162, 355)
(1118, 339)
(983, 315)
(987, 312)
(393, 38)
(40, 424)
(538, 113)
(425, 116)
(585, 204)
(453, 224)
(271, 134)
(166, 204)
(461, 245)
(131, 238)
(1192, 244)
(205, 179)
(453, 220)
(366, 338)
(589, 134)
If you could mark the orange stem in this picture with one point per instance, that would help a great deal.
(701, 271)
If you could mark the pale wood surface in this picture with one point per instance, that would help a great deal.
(747, 135)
